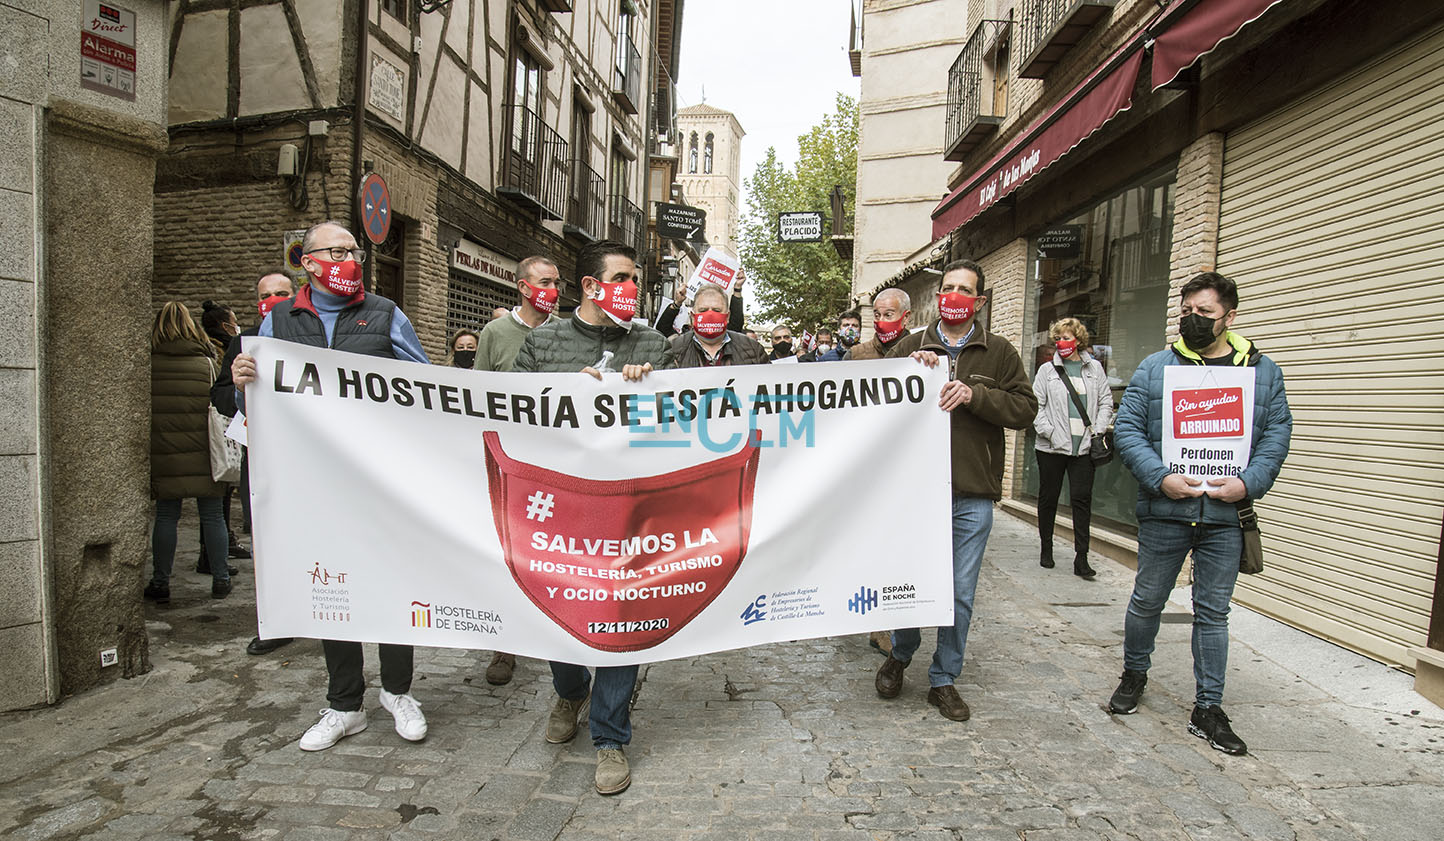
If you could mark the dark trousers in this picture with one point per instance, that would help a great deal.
(1051, 467)
(343, 664)
(246, 492)
(226, 516)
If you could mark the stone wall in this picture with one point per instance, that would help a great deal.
(1006, 271)
(1195, 217)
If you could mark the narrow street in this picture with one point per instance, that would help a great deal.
(783, 742)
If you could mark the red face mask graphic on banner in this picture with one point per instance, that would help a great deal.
(889, 330)
(618, 301)
(622, 564)
(342, 278)
(710, 325)
(545, 300)
(1066, 347)
(955, 307)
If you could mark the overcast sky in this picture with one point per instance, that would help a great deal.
(776, 64)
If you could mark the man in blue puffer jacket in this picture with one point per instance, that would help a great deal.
(1177, 513)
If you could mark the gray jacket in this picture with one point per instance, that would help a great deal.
(1051, 424)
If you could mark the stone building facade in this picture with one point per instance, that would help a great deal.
(502, 129)
(709, 144)
(81, 138)
(1105, 152)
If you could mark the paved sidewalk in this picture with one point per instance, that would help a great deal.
(783, 742)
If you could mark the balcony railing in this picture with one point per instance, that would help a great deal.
(627, 76)
(1048, 29)
(586, 203)
(627, 225)
(534, 163)
(973, 110)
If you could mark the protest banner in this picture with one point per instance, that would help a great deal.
(597, 522)
(717, 267)
(1207, 420)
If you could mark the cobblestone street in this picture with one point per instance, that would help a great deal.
(789, 741)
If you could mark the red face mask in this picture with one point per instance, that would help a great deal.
(709, 325)
(955, 307)
(622, 564)
(1066, 347)
(545, 300)
(888, 330)
(268, 303)
(619, 301)
(342, 278)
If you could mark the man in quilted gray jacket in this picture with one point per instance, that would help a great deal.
(602, 324)
(1178, 514)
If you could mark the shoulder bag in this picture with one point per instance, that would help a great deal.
(225, 453)
(1100, 444)
(1250, 561)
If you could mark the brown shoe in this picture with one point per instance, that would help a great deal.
(881, 640)
(890, 677)
(949, 703)
(499, 672)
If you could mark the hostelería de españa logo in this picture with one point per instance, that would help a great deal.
(1208, 413)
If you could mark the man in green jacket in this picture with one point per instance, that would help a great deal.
(539, 284)
(600, 336)
(988, 391)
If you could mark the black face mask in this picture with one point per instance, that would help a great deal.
(464, 358)
(1197, 331)
(782, 348)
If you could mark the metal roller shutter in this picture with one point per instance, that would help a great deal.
(1332, 221)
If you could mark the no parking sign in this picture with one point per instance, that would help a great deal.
(375, 203)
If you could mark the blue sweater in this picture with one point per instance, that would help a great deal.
(1138, 431)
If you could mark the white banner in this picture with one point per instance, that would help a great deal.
(1207, 419)
(603, 523)
(717, 267)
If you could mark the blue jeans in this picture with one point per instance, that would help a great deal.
(972, 523)
(163, 537)
(1162, 546)
(611, 718)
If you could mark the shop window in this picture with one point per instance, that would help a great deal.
(470, 301)
(1107, 267)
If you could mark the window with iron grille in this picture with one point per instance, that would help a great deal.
(470, 301)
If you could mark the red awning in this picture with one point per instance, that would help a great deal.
(1197, 31)
(1106, 92)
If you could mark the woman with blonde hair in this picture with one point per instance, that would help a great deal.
(182, 365)
(1072, 377)
(461, 350)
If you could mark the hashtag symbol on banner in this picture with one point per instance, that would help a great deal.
(539, 506)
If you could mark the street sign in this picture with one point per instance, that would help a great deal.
(1060, 243)
(375, 202)
(292, 250)
(679, 221)
(802, 226)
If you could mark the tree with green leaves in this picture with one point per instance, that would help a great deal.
(804, 284)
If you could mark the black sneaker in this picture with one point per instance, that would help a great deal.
(220, 589)
(1130, 689)
(1211, 724)
(158, 593)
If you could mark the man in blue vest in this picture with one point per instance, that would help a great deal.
(334, 311)
(1178, 514)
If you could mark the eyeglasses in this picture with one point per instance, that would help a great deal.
(340, 255)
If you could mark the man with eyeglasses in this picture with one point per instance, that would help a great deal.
(334, 311)
(271, 289)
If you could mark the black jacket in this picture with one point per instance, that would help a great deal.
(223, 393)
(737, 350)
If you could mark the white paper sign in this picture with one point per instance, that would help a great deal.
(236, 431)
(1207, 419)
(598, 522)
(717, 267)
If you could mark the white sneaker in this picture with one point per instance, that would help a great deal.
(410, 723)
(332, 728)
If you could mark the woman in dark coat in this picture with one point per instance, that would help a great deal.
(182, 369)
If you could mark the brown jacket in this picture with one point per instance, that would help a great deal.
(737, 350)
(1002, 397)
(180, 400)
(872, 349)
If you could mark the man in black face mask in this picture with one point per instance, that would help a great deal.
(1178, 514)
